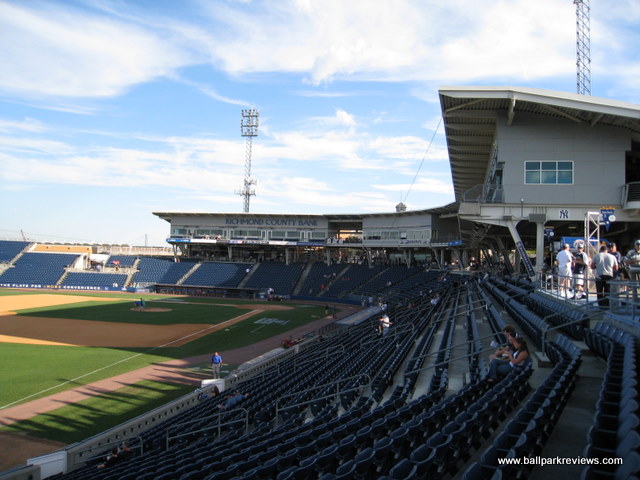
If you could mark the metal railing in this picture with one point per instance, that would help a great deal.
(484, 193)
(327, 387)
(217, 426)
(621, 299)
(106, 447)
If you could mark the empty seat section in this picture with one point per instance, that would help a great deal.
(37, 269)
(9, 249)
(280, 277)
(218, 274)
(89, 279)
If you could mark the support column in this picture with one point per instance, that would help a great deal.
(230, 252)
(539, 247)
(521, 253)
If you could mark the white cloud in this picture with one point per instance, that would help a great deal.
(26, 125)
(423, 184)
(397, 41)
(49, 50)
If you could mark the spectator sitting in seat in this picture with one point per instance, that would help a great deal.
(520, 358)
(509, 332)
(233, 400)
(116, 454)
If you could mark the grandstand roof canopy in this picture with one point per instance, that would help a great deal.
(451, 208)
(470, 115)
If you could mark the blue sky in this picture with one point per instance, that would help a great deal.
(111, 110)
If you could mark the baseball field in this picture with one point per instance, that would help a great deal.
(52, 342)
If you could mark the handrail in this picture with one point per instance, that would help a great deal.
(446, 362)
(393, 333)
(316, 387)
(325, 353)
(106, 446)
(206, 429)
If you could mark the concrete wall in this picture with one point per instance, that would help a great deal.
(598, 154)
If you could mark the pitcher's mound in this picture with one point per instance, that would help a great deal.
(151, 309)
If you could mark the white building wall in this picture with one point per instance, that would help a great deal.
(598, 154)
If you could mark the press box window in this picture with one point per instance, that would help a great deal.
(548, 173)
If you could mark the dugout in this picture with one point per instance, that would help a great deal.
(203, 291)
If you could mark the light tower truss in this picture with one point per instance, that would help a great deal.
(583, 46)
(248, 129)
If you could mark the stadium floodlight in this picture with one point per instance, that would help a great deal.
(249, 129)
(583, 46)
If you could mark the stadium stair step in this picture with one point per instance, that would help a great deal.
(188, 274)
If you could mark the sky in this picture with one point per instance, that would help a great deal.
(111, 109)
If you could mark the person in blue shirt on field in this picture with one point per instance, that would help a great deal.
(216, 363)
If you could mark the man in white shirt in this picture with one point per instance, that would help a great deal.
(564, 260)
(580, 264)
(605, 265)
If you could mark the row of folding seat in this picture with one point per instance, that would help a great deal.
(615, 431)
(527, 432)
(442, 453)
(559, 313)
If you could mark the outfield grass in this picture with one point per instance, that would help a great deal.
(73, 423)
(33, 371)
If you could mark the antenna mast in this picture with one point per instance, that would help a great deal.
(583, 46)
(249, 129)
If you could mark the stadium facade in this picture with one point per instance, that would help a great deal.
(524, 162)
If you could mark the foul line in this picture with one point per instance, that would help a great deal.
(234, 319)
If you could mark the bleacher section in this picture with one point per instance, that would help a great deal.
(214, 274)
(616, 423)
(122, 260)
(9, 249)
(40, 269)
(278, 276)
(90, 280)
(355, 276)
(319, 276)
(385, 280)
(160, 270)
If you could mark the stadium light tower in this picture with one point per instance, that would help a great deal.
(249, 129)
(583, 46)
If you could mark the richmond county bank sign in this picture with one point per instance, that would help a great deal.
(272, 222)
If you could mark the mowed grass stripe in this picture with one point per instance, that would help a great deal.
(121, 312)
(89, 417)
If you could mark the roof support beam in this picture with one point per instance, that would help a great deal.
(488, 128)
(464, 105)
(596, 119)
(492, 114)
(561, 113)
(512, 111)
